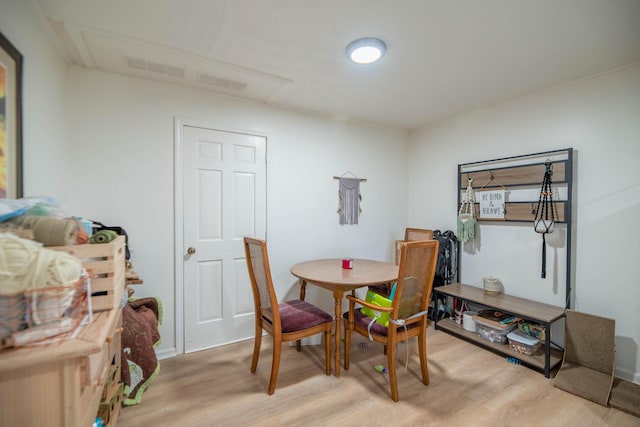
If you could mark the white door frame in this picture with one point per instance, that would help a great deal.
(179, 248)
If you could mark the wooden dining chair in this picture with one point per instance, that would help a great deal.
(407, 314)
(286, 321)
(410, 234)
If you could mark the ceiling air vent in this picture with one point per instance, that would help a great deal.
(137, 63)
(175, 71)
(155, 67)
(221, 82)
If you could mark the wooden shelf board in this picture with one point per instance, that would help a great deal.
(532, 310)
(512, 176)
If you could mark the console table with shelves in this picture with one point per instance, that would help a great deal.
(541, 313)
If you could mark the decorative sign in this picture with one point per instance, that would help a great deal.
(492, 204)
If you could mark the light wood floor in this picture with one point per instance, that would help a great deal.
(469, 387)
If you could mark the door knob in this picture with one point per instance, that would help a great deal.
(191, 250)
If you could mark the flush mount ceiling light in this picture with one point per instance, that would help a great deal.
(366, 50)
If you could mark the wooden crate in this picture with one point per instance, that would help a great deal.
(105, 263)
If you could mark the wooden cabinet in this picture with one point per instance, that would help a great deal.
(61, 384)
(541, 313)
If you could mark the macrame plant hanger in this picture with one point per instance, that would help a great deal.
(545, 213)
(466, 215)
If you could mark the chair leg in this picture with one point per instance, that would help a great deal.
(256, 349)
(393, 372)
(275, 364)
(327, 350)
(422, 343)
(347, 344)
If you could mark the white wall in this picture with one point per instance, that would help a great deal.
(600, 119)
(122, 149)
(44, 107)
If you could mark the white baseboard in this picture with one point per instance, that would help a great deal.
(166, 353)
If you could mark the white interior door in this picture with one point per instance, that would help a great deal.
(224, 196)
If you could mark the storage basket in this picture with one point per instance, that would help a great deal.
(491, 285)
(43, 315)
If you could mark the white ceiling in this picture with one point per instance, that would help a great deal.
(444, 57)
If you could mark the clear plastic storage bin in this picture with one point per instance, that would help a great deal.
(493, 333)
(523, 343)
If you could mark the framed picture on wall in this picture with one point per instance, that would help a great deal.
(10, 120)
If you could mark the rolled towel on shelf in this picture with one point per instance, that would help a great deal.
(48, 230)
(103, 236)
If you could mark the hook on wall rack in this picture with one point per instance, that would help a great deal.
(493, 179)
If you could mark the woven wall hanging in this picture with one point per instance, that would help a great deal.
(349, 198)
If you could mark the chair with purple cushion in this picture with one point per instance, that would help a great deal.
(408, 311)
(410, 234)
(285, 321)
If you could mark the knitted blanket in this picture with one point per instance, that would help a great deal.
(140, 335)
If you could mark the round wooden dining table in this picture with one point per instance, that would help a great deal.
(329, 274)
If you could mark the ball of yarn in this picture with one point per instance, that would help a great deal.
(25, 264)
(62, 269)
(16, 258)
